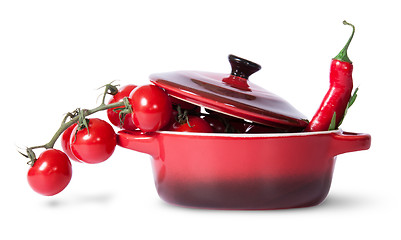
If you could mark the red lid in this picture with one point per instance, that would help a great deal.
(232, 94)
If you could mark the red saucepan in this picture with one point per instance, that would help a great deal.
(240, 171)
(243, 171)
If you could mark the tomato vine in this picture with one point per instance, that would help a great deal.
(78, 116)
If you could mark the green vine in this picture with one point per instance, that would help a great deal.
(79, 116)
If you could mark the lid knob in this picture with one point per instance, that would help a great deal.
(241, 67)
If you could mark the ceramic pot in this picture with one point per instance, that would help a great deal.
(243, 171)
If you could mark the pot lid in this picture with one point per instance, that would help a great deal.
(232, 94)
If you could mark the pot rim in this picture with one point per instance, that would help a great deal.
(249, 135)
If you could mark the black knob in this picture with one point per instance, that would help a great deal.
(241, 67)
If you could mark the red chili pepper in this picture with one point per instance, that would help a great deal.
(332, 109)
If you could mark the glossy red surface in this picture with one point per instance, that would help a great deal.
(113, 114)
(336, 98)
(243, 171)
(51, 172)
(95, 144)
(193, 124)
(151, 108)
(210, 91)
(65, 143)
(232, 94)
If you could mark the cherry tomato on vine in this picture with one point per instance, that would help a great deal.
(216, 123)
(193, 109)
(231, 124)
(173, 119)
(194, 124)
(95, 144)
(50, 173)
(65, 142)
(151, 108)
(238, 126)
(184, 105)
(114, 115)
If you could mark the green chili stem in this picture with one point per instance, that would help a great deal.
(343, 56)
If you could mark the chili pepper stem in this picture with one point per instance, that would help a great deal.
(334, 105)
(343, 55)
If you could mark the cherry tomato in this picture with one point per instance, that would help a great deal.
(238, 126)
(231, 124)
(65, 142)
(97, 145)
(174, 113)
(173, 119)
(194, 124)
(114, 115)
(151, 108)
(50, 173)
(217, 125)
(184, 105)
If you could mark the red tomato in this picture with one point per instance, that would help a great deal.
(173, 119)
(50, 173)
(217, 125)
(184, 105)
(114, 115)
(151, 108)
(65, 142)
(231, 124)
(238, 125)
(194, 124)
(175, 115)
(97, 145)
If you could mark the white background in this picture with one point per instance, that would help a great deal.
(55, 54)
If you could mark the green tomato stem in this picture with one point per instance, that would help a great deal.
(85, 113)
(66, 124)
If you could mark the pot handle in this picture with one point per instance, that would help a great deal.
(139, 141)
(344, 142)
